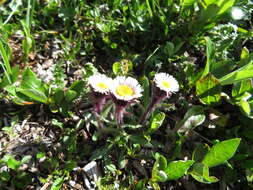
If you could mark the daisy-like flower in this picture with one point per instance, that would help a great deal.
(165, 85)
(100, 87)
(125, 90)
(100, 83)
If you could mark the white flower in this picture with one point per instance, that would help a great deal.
(126, 88)
(166, 82)
(100, 83)
(237, 13)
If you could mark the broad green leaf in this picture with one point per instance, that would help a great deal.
(209, 2)
(193, 117)
(222, 68)
(57, 183)
(177, 169)
(157, 121)
(208, 89)
(221, 152)
(244, 53)
(100, 152)
(58, 96)
(247, 108)
(11, 162)
(238, 75)
(70, 95)
(169, 49)
(207, 16)
(33, 94)
(187, 3)
(70, 165)
(246, 57)
(30, 81)
(240, 88)
(116, 68)
(225, 5)
(77, 86)
(32, 87)
(210, 50)
(200, 172)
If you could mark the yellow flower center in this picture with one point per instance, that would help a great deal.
(102, 86)
(124, 90)
(166, 84)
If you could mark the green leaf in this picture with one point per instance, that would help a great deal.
(238, 75)
(156, 121)
(26, 159)
(240, 88)
(13, 77)
(5, 176)
(244, 53)
(57, 183)
(209, 2)
(222, 68)
(32, 94)
(206, 17)
(30, 81)
(200, 172)
(123, 67)
(58, 96)
(11, 162)
(225, 5)
(77, 86)
(194, 116)
(210, 51)
(40, 155)
(187, 3)
(158, 173)
(247, 108)
(169, 49)
(6, 65)
(99, 153)
(177, 169)
(32, 87)
(208, 89)
(70, 95)
(221, 152)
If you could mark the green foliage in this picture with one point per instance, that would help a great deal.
(208, 89)
(156, 121)
(197, 42)
(163, 171)
(221, 152)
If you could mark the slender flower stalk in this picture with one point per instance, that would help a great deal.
(165, 85)
(125, 90)
(100, 88)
